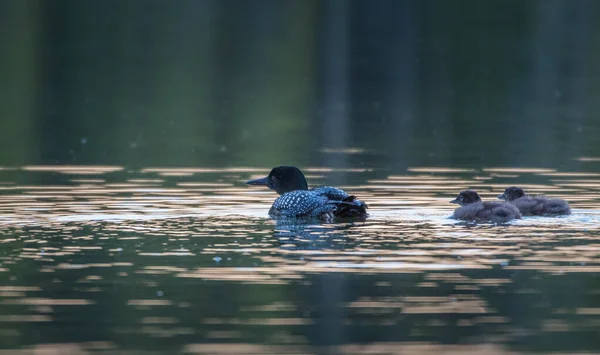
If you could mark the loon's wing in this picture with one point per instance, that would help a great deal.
(558, 206)
(469, 212)
(500, 211)
(347, 206)
(530, 205)
(318, 202)
(332, 193)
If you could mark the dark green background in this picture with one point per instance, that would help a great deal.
(219, 83)
(152, 83)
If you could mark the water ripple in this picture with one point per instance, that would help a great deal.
(190, 255)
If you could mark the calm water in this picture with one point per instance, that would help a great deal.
(387, 95)
(99, 259)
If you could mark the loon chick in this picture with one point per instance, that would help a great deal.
(473, 209)
(297, 201)
(535, 205)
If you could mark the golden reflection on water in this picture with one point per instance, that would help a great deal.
(155, 233)
(157, 196)
(219, 348)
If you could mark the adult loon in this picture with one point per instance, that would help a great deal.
(297, 201)
(473, 209)
(535, 205)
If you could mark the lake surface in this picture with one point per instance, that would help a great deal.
(101, 259)
(127, 129)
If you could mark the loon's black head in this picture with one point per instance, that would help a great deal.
(466, 197)
(283, 179)
(512, 193)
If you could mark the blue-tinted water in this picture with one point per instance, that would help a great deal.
(127, 129)
(171, 260)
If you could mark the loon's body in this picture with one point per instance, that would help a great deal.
(321, 202)
(473, 209)
(535, 205)
(297, 201)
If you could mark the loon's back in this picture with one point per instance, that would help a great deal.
(489, 211)
(322, 202)
(535, 205)
(541, 206)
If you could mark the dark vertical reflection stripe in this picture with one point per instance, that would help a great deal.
(189, 83)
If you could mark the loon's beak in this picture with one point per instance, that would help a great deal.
(454, 201)
(261, 181)
(502, 197)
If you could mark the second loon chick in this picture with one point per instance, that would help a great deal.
(297, 201)
(535, 205)
(473, 209)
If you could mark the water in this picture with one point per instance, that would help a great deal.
(185, 260)
(264, 83)
(128, 128)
